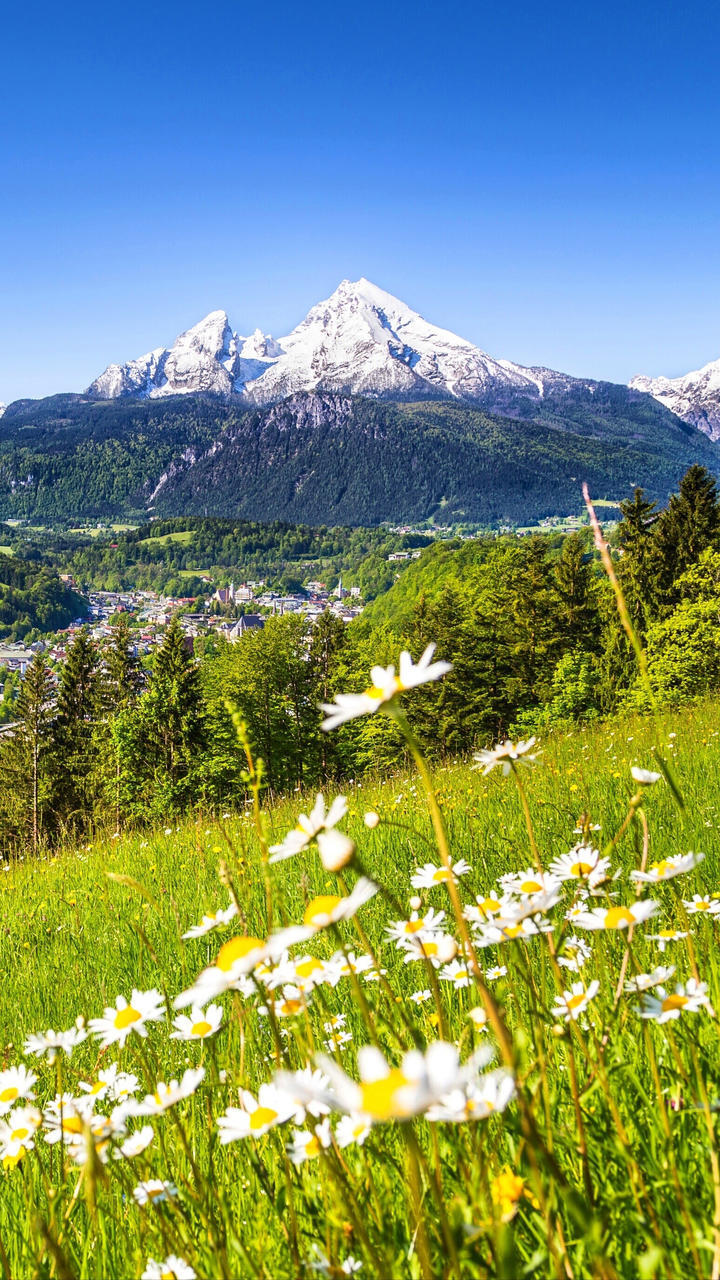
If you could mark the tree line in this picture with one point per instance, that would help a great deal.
(529, 625)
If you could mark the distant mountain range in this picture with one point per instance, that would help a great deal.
(364, 412)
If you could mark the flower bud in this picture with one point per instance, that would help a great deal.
(415, 902)
(335, 848)
(447, 949)
(371, 819)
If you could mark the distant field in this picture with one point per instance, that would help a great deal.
(6, 550)
(183, 536)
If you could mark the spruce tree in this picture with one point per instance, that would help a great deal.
(173, 711)
(78, 707)
(121, 668)
(688, 526)
(26, 756)
(575, 584)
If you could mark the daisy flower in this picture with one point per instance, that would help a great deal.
(427, 876)
(499, 971)
(456, 972)
(665, 936)
(111, 1083)
(572, 1003)
(417, 926)
(341, 966)
(49, 1043)
(482, 908)
(173, 1268)
(617, 917)
(662, 1006)
(213, 920)
(117, 1024)
(154, 1191)
(17, 1131)
(256, 1116)
(199, 1025)
(528, 883)
(309, 827)
(574, 954)
(352, 1129)
(291, 1002)
(136, 1143)
(486, 1096)
(645, 981)
(507, 754)
(308, 1143)
(236, 958)
(697, 905)
(385, 687)
(15, 1083)
(581, 863)
(328, 909)
(167, 1095)
(311, 1084)
(421, 997)
(644, 777)
(667, 868)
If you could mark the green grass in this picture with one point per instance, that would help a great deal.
(73, 938)
(182, 535)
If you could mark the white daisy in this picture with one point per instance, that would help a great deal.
(213, 920)
(15, 1083)
(272, 1106)
(662, 1006)
(507, 754)
(668, 868)
(698, 905)
(385, 687)
(427, 876)
(154, 1191)
(646, 981)
(117, 1024)
(309, 827)
(173, 1268)
(572, 1003)
(199, 1025)
(617, 917)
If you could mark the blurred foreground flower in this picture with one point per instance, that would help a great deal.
(385, 687)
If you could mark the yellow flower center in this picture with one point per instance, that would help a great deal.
(200, 1028)
(574, 1001)
(512, 930)
(125, 1017)
(530, 886)
(673, 1002)
(617, 916)
(661, 868)
(488, 904)
(430, 948)
(154, 1192)
(72, 1124)
(441, 874)
(308, 967)
(320, 908)
(262, 1116)
(413, 926)
(289, 1007)
(10, 1162)
(312, 1147)
(380, 1097)
(97, 1087)
(702, 906)
(235, 949)
(461, 975)
(666, 933)
(580, 869)
(9, 1094)
(18, 1134)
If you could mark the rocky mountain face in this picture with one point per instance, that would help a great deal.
(360, 341)
(695, 397)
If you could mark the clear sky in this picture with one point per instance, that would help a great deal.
(542, 178)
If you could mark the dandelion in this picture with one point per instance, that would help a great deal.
(698, 905)
(154, 1192)
(309, 826)
(385, 688)
(173, 1268)
(117, 1024)
(199, 1025)
(507, 1190)
(617, 917)
(427, 876)
(256, 1116)
(668, 868)
(662, 1006)
(15, 1083)
(572, 1003)
(507, 754)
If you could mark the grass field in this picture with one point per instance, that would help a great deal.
(603, 1163)
(183, 536)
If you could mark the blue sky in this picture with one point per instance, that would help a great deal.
(542, 178)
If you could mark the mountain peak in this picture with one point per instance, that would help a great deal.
(694, 397)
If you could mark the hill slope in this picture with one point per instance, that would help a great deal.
(328, 458)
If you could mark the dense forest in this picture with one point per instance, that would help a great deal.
(33, 598)
(175, 556)
(334, 459)
(530, 626)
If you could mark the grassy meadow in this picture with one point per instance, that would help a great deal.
(586, 1147)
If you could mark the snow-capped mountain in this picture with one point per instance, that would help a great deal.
(360, 341)
(695, 397)
(3, 407)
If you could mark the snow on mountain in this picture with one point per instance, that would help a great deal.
(3, 407)
(695, 397)
(360, 341)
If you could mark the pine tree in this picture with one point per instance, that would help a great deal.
(121, 668)
(173, 713)
(78, 707)
(688, 526)
(26, 756)
(575, 584)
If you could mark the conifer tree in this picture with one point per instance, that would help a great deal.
(687, 527)
(575, 584)
(26, 756)
(173, 709)
(78, 706)
(122, 669)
